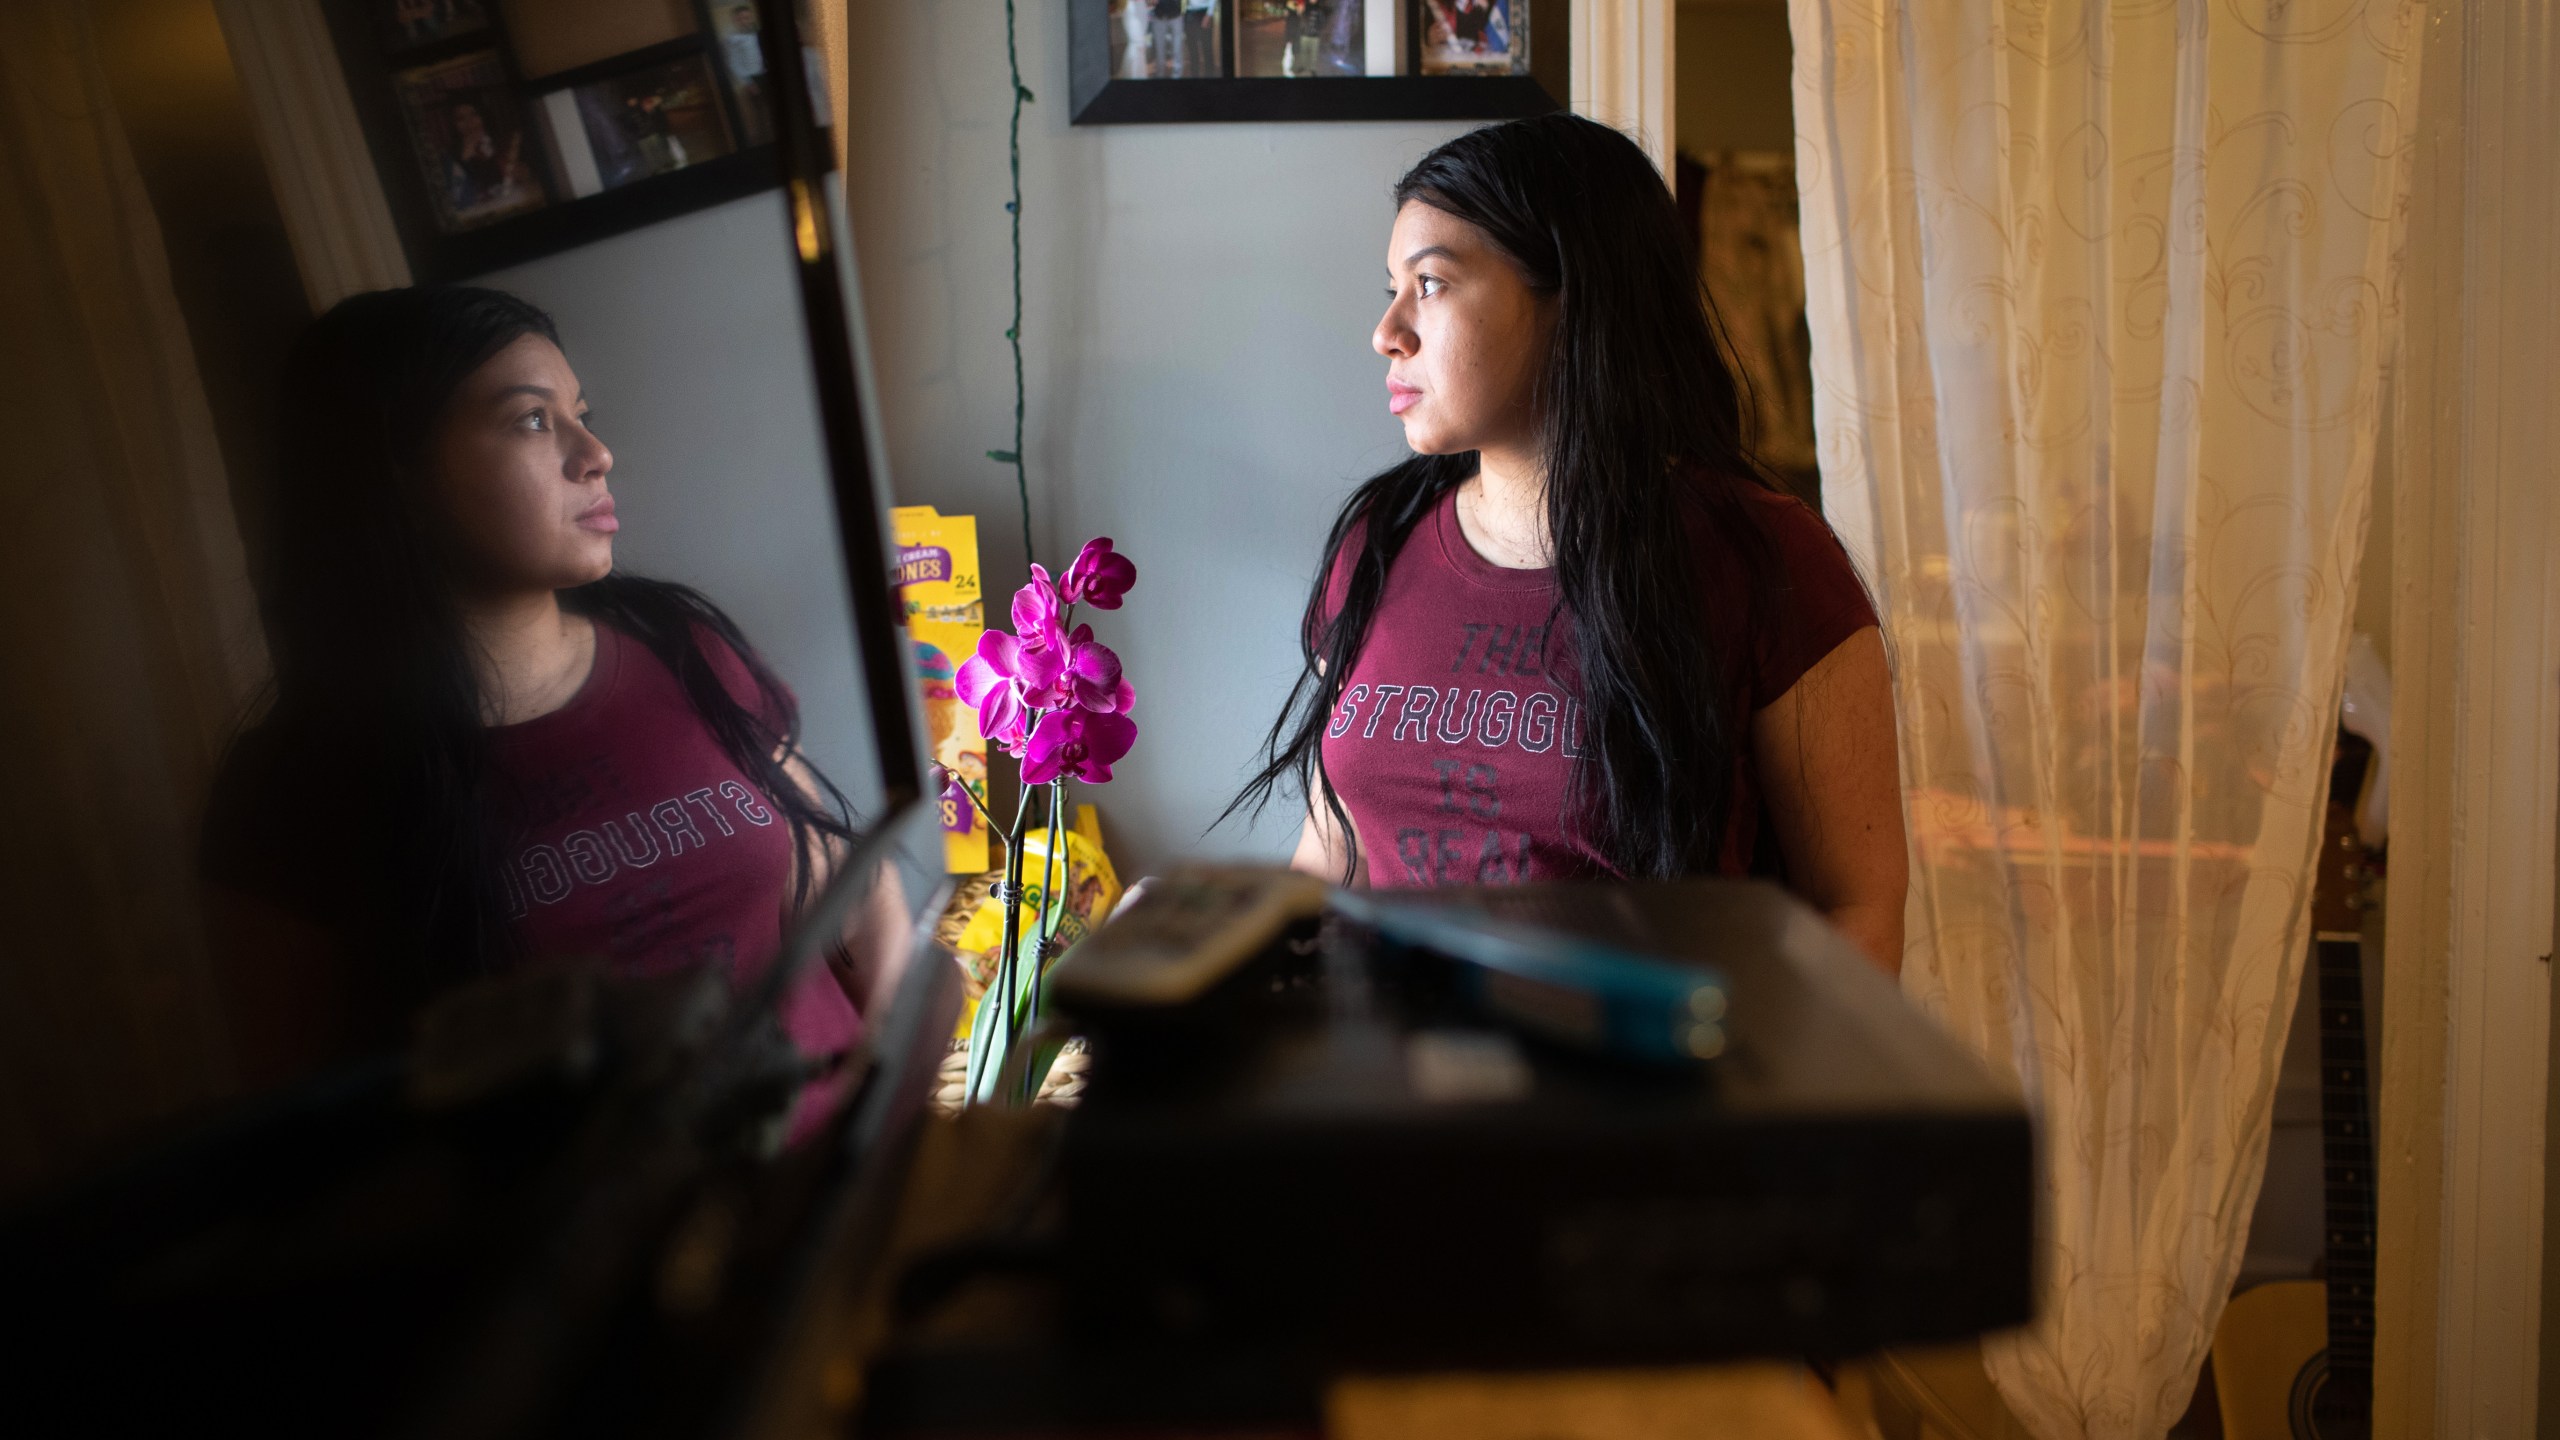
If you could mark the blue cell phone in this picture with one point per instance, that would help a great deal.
(1565, 987)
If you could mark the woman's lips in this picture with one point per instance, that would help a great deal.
(599, 517)
(1401, 398)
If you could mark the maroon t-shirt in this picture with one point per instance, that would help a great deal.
(628, 836)
(634, 838)
(1455, 734)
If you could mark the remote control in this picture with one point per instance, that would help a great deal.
(1187, 930)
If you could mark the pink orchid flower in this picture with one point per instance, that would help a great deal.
(1075, 742)
(1093, 673)
(1036, 690)
(1041, 674)
(1005, 681)
(1035, 609)
(1099, 576)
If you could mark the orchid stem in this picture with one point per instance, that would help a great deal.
(1001, 986)
(1049, 866)
(1011, 1016)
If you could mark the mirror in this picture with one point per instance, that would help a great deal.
(481, 699)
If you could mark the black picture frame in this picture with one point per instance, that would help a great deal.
(1096, 98)
(567, 221)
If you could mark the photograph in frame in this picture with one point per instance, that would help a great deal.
(1303, 39)
(653, 121)
(407, 24)
(1475, 37)
(467, 132)
(1168, 39)
(737, 26)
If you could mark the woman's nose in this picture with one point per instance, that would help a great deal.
(1393, 338)
(593, 460)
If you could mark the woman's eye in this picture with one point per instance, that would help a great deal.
(1432, 285)
(535, 420)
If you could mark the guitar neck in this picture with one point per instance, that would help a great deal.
(2347, 1153)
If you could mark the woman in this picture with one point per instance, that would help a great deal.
(486, 747)
(1577, 632)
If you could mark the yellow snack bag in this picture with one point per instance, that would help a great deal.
(1088, 889)
(944, 603)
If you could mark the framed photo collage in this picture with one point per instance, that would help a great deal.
(1141, 61)
(509, 129)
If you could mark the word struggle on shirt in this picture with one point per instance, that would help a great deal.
(1530, 716)
(547, 873)
(1448, 714)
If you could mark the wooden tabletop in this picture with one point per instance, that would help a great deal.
(1743, 1402)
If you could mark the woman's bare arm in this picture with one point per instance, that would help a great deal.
(879, 940)
(1832, 777)
(879, 934)
(1321, 849)
(287, 991)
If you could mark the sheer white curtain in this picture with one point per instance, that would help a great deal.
(2100, 296)
(130, 637)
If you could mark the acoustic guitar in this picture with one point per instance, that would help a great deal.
(2294, 1360)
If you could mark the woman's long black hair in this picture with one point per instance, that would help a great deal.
(376, 724)
(1639, 420)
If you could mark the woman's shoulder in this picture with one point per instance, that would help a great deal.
(1411, 518)
(663, 629)
(728, 659)
(1803, 543)
(1780, 515)
(1812, 602)
(1345, 544)
(237, 808)
(743, 673)
(276, 814)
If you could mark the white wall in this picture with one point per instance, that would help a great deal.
(686, 336)
(1201, 387)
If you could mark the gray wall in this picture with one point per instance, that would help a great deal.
(686, 336)
(1199, 301)
(1201, 388)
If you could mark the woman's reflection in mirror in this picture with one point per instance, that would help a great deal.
(484, 746)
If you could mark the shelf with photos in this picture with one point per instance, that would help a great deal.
(504, 130)
(1187, 61)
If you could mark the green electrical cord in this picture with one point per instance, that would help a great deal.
(1021, 96)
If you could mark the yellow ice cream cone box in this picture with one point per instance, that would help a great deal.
(943, 599)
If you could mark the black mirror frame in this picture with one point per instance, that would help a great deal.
(1098, 99)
